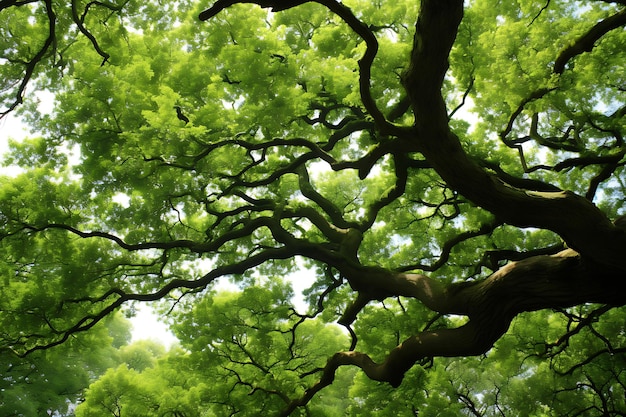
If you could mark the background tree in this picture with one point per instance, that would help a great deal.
(51, 382)
(334, 137)
(241, 353)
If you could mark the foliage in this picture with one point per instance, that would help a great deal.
(240, 353)
(453, 175)
(50, 381)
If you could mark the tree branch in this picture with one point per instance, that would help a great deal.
(587, 41)
(32, 64)
(325, 204)
(10, 3)
(79, 21)
(360, 28)
(584, 228)
(533, 284)
(88, 321)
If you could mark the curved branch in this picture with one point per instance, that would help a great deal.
(587, 41)
(468, 90)
(247, 228)
(330, 231)
(525, 183)
(533, 284)
(116, 239)
(107, 5)
(535, 95)
(351, 127)
(32, 64)
(605, 173)
(494, 257)
(590, 359)
(554, 348)
(87, 322)
(81, 27)
(351, 312)
(393, 193)
(365, 63)
(365, 164)
(360, 28)
(446, 250)
(325, 204)
(273, 5)
(10, 3)
(445, 342)
(580, 223)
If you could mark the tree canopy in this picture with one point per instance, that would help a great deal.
(451, 172)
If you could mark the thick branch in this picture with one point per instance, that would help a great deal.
(325, 204)
(540, 282)
(11, 3)
(274, 5)
(587, 41)
(581, 224)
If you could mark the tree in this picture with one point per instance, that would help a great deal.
(50, 382)
(450, 171)
(241, 354)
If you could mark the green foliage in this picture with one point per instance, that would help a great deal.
(253, 342)
(282, 166)
(52, 380)
(240, 352)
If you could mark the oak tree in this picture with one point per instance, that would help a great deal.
(452, 172)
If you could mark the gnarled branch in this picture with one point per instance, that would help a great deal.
(587, 41)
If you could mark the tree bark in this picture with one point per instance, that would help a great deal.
(578, 221)
(556, 281)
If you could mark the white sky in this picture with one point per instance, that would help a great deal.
(146, 325)
(10, 127)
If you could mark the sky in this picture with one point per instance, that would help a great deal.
(146, 325)
(10, 127)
